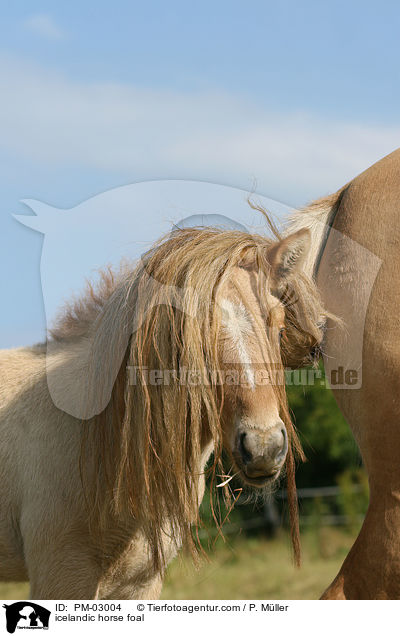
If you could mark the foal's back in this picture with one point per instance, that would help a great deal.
(38, 443)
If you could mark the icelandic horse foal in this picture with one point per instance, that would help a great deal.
(97, 508)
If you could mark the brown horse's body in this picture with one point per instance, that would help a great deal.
(359, 273)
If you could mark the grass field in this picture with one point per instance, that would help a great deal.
(247, 568)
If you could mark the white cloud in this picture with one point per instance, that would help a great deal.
(45, 26)
(145, 134)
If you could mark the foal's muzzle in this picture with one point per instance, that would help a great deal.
(260, 454)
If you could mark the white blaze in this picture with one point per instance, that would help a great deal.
(237, 322)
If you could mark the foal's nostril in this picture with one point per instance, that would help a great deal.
(244, 452)
(282, 446)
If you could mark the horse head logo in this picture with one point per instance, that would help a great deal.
(27, 615)
(120, 224)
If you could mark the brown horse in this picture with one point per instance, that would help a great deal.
(357, 267)
(103, 453)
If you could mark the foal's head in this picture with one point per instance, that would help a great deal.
(256, 427)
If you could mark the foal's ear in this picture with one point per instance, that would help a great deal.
(287, 257)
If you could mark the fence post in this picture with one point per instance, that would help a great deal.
(271, 517)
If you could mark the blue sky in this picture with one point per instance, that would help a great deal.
(337, 58)
(297, 97)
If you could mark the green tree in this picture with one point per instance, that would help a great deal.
(327, 440)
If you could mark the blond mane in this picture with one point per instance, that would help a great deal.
(144, 450)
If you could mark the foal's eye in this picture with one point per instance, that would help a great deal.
(281, 334)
